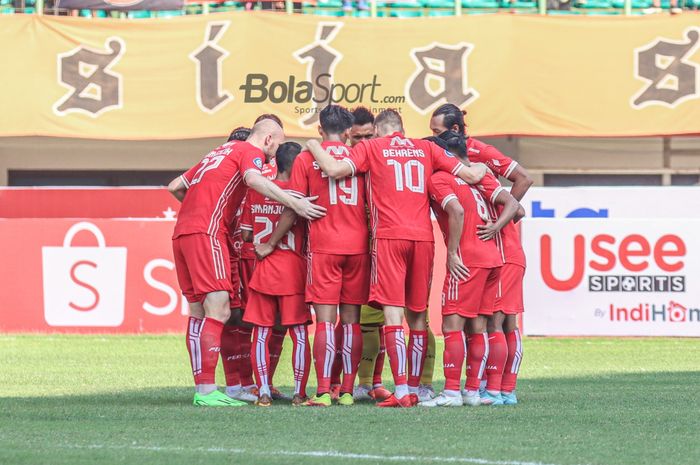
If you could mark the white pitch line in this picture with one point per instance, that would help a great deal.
(325, 454)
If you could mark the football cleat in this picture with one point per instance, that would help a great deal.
(298, 400)
(276, 394)
(471, 398)
(335, 391)
(409, 400)
(444, 400)
(264, 401)
(242, 394)
(215, 399)
(380, 393)
(361, 392)
(324, 400)
(489, 398)
(346, 399)
(424, 394)
(509, 398)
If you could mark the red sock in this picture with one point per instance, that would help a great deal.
(301, 358)
(396, 349)
(324, 355)
(230, 356)
(204, 345)
(337, 369)
(260, 356)
(418, 349)
(245, 367)
(379, 363)
(276, 344)
(352, 354)
(498, 353)
(453, 359)
(477, 354)
(515, 356)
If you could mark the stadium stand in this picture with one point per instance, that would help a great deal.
(377, 8)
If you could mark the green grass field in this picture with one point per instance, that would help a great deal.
(126, 400)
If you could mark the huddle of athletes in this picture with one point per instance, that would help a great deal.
(267, 231)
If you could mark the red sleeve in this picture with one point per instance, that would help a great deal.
(251, 160)
(443, 160)
(247, 215)
(441, 190)
(358, 158)
(497, 162)
(188, 175)
(299, 179)
(490, 187)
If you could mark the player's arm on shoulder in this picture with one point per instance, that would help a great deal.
(510, 209)
(329, 165)
(521, 182)
(473, 173)
(285, 223)
(303, 206)
(178, 188)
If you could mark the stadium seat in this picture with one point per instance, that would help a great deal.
(480, 4)
(406, 13)
(329, 4)
(438, 3)
(636, 4)
(520, 4)
(7, 10)
(30, 10)
(5, 2)
(328, 12)
(440, 13)
(593, 4)
(139, 14)
(170, 13)
(361, 14)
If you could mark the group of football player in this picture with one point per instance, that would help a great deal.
(269, 231)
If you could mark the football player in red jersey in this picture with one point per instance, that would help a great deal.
(397, 171)
(338, 259)
(506, 347)
(277, 285)
(211, 193)
(469, 293)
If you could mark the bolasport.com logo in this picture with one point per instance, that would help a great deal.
(647, 312)
(633, 256)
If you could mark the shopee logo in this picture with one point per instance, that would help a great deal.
(633, 252)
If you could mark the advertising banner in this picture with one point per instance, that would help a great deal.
(202, 75)
(612, 277)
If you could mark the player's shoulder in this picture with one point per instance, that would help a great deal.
(442, 179)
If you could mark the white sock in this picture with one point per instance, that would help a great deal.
(249, 387)
(375, 386)
(450, 393)
(413, 390)
(205, 389)
(401, 391)
(231, 390)
(264, 390)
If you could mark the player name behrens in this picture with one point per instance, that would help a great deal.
(403, 153)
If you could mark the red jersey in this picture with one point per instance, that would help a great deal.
(343, 231)
(398, 170)
(479, 152)
(501, 165)
(445, 188)
(283, 272)
(215, 188)
(247, 249)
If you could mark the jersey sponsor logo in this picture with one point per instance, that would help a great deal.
(449, 154)
(258, 162)
(401, 142)
(634, 253)
(663, 66)
(93, 87)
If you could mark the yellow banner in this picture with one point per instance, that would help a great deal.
(200, 76)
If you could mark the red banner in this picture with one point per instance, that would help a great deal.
(102, 276)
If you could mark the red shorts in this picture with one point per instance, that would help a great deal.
(475, 296)
(202, 265)
(510, 301)
(401, 273)
(335, 279)
(245, 272)
(262, 309)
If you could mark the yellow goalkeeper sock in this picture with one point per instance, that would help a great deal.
(429, 365)
(370, 350)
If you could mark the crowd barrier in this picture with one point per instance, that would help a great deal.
(601, 261)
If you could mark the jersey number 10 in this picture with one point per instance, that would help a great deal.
(403, 174)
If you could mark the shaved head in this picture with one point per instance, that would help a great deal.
(267, 135)
(387, 122)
